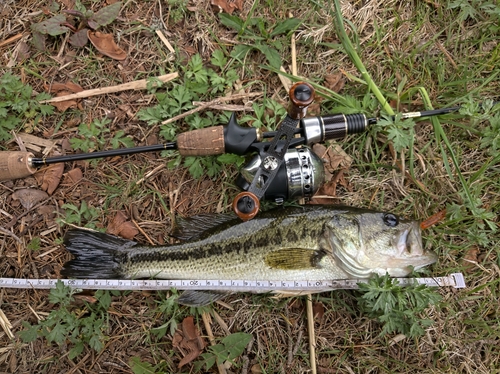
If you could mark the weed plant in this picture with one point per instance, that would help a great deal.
(18, 107)
(81, 327)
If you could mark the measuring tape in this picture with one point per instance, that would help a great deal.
(455, 280)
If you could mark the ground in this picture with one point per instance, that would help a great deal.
(446, 51)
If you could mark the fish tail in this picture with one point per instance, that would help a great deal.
(97, 255)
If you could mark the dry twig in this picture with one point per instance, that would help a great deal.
(206, 321)
(312, 338)
(135, 85)
(209, 104)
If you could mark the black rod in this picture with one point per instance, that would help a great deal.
(38, 162)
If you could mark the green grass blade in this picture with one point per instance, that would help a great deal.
(442, 138)
(353, 55)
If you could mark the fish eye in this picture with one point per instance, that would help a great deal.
(390, 219)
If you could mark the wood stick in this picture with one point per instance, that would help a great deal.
(206, 321)
(135, 85)
(285, 81)
(294, 52)
(312, 338)
(12, 39)
(230, 107)
(165, 40)
(210, 103)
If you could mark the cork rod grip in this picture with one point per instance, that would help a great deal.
(202, 142)
(14, 165)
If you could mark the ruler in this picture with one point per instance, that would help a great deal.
(455, 280)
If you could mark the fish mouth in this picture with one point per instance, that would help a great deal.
(409, 242)
(409, 248)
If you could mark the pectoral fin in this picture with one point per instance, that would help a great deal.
(294, 258)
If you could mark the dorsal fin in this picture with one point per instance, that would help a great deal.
(194, 227)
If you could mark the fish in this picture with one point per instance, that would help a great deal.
(308, 242)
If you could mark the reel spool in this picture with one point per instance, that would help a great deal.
(300, 176)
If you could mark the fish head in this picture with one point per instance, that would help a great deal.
(366, 242)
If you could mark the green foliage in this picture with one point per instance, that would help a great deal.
(399, 131)
(84, 215)
(63, 325)
(34, 244)
(17, 106)
(63, 23)
(269, 113)
(228, 349)
(486, 118)
(171, 312)
(260, 36)
(475, 9)
(177, 9)
(141, 367)
(199, 83)
(397, 308)
(92, 137)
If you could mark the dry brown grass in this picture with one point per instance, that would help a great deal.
(465, 336)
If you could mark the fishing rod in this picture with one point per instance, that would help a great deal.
(281, 169)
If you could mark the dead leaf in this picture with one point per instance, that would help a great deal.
(75, 175)
(122, 227)
(318, 310)
(314, 109)
(333, 157)
(470, 259)
(327, 193)
(29, 197)
(432, 220)
(68, 4)
(105, 44)
(335, 82)
(68, 86)
(63, 89)
(51, 177)
(89, 299)
(228, 6)
(256, 369)
(48, 211)
(189, 339)
(24, 51)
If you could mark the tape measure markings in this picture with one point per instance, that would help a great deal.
(455, 280)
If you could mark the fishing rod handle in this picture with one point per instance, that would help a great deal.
(202, 142)
(16, 164)
(332, 126)
(231, 138)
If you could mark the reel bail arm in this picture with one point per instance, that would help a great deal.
(246, 204)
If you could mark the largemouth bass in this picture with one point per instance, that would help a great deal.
(310, 242)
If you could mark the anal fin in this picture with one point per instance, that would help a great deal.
(200, 298)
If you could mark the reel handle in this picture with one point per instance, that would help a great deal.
(301, 96)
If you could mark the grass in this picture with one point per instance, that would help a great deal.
(438, 54)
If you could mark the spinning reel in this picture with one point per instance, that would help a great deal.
(282, 169)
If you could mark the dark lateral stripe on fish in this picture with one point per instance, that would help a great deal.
(245, 240)
(97, 255)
